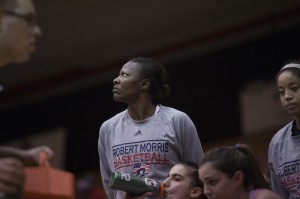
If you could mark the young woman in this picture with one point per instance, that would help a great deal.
(233, 173)
(182, 183)
(147, 138)
(284, 156)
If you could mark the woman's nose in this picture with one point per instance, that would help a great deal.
(37, 31)
(166, 182)
(287, 95)
(115, 81)
(206, 191)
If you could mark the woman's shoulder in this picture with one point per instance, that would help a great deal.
(172, 111)
(175, 115)
(282, 132)
(266, 194)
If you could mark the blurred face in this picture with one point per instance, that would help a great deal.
(127, 84)
(217, 185)
(178, 185)
(18, 32)
(289, 91)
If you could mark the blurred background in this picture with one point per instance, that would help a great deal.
(222, 57)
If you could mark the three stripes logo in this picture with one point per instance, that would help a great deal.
(138, 133)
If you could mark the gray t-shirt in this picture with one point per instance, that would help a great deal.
(147, 148)
(284, 163)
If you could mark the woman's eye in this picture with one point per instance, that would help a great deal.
(280, 92)
(212, 182)
(123, 74)
(294, 88)
(176, 179)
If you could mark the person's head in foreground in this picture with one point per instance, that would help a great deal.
(18, 31)
(233, 173)
(183, 182)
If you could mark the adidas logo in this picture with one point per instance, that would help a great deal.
(138, 133)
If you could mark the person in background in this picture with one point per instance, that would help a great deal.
(283, 155)
(18, 34)
(233, 172)
(147, 138)
(182, 183)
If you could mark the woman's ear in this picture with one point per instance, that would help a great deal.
(238, 178)
(196, 192)
(145, 84)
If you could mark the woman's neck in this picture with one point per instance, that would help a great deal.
(141, 112)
